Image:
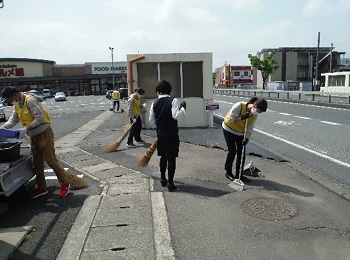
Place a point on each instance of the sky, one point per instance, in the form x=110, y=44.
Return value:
x=79, y=31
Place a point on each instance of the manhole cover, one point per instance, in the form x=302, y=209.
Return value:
x=268, y=208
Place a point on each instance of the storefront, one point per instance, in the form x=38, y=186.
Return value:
x=81, y=79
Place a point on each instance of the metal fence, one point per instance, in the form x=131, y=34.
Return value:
x=302, y=96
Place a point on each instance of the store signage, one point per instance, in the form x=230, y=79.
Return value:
x=106, y=67
x=9, y=70
x=209, y=107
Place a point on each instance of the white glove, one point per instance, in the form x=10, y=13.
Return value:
x=21, y=133
x=144, y=105
x=133, y=119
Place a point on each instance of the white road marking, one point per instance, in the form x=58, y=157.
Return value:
x=285, y=114
x=306, y=149
x=284, y=122
x=303, y=117
x=330, y=123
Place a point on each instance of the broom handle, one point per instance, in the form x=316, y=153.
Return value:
x=243, y=150
x=125, y=133
x=151, y=150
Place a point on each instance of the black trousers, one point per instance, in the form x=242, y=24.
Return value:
x=234, y=146
x=116, y=102
x=135, y=130
x=171, y=163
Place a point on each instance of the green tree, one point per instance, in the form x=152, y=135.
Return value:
x=267, y=66
x=214, y=76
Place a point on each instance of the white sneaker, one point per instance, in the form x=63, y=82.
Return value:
x=130, y=145
x=140, y=143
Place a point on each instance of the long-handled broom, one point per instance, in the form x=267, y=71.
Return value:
x=237, y=184
x=144, y=160
x=114, y=146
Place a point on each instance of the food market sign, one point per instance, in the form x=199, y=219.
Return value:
x=107, y=68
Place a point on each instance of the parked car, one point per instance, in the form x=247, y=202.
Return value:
x=109, y=94
x=2, y=113
x=60, y=96
x=37, y=94
x=47, y=93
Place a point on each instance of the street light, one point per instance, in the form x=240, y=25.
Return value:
x=112, y=64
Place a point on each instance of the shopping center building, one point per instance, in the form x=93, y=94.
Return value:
x=90, y=78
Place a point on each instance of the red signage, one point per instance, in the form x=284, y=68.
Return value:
x=11, y=70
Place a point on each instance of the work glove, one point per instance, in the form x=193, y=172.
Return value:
x=183, y=104
x=245, y=116
x=245, y=141
x=21, y=133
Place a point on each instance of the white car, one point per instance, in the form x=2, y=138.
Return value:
x=60, y=96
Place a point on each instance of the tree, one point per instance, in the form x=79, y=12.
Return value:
x=267, y=66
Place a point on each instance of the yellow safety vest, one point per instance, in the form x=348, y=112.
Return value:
x=25, y=116
x=116, y=95
x=240, y=125
x=136, y=108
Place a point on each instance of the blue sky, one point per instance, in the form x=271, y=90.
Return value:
x=75, y=32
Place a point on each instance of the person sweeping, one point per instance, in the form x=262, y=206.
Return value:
x=36, y=123
x=164, y=113
x=234, y=128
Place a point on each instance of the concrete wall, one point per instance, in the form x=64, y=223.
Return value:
x=190, y=75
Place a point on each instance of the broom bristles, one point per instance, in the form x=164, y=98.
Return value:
x=114, y=146
x=75, y=181
x=144, y=160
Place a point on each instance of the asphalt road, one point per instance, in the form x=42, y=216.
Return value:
x=315, y=137
x=296, y=126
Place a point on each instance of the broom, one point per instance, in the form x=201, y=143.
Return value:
x=114, y=146
x=144, y=160
x=74, y=181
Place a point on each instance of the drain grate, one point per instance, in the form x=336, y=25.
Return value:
x=269, y=208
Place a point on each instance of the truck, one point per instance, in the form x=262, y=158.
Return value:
x=16, y=167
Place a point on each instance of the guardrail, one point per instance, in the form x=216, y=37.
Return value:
x=304, y=96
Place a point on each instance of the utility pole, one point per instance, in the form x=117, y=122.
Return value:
x=330, y=59
x=112, y=65
x=316, y=68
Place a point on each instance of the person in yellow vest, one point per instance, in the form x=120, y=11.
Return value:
x=234, y=128
x=36, y=123
x=116, y=97
x=134, y=111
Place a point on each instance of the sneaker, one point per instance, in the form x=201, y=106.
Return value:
x=172, y=187
x=140, y=143
x=37, y=193
x=163, y=182
x=130, y=145
x=229, y=176
x=64, y=190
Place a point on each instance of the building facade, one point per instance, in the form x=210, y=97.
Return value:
x=233, y=76
x=91, y=78
x=298, y=65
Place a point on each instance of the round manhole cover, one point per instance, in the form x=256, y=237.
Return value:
x=269, y=208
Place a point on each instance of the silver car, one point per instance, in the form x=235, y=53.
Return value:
x=60, y=96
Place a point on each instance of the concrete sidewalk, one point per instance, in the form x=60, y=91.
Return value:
x=285, y=215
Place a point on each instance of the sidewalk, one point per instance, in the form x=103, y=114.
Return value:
x=282, y=216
